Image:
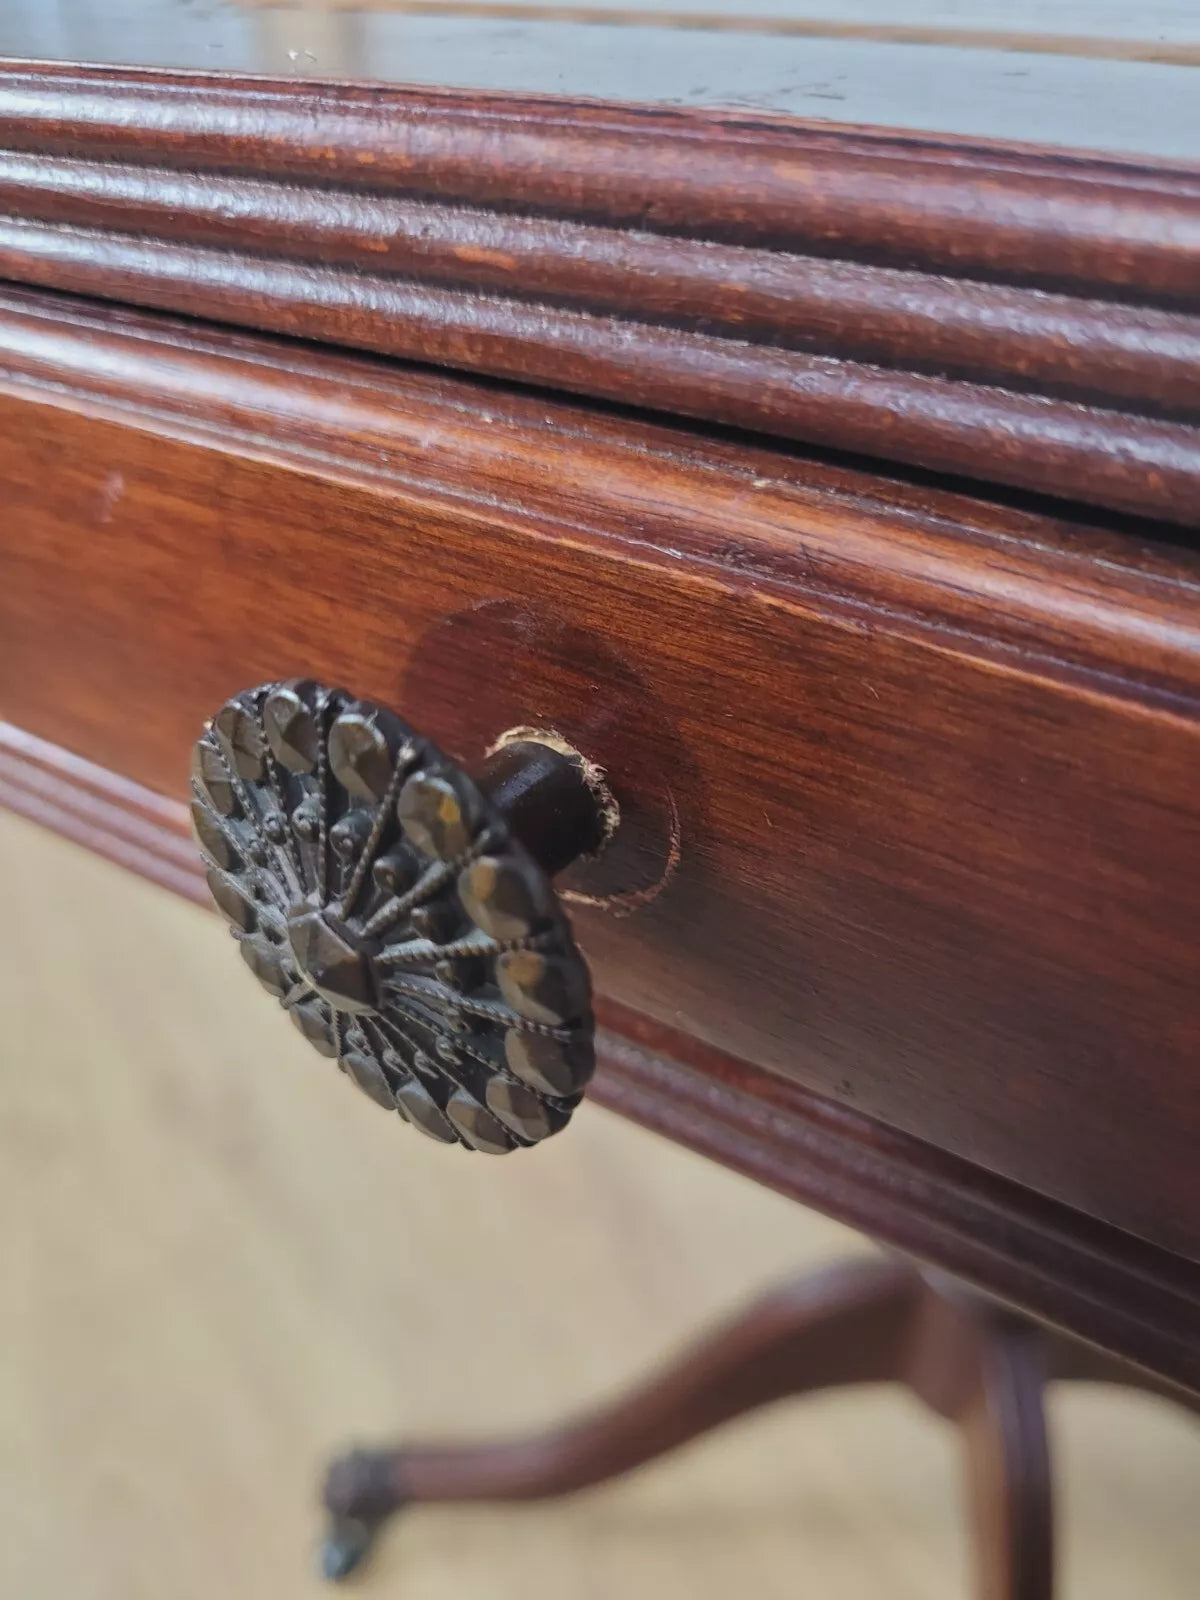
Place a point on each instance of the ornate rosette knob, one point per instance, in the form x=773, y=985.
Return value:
x=401, y=910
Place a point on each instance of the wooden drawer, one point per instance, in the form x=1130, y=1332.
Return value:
x=910, y=812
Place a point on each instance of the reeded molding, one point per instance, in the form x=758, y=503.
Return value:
x=1021, y=317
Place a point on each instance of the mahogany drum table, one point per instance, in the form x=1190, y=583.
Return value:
x=692, y=602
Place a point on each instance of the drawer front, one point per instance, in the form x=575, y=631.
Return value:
x=910, y=811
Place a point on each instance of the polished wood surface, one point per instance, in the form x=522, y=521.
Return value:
x=971, y=1361
x=1020, y=316
x=209, y=1284
x=900, y=915
x=1058, y=1264
x=907, y=780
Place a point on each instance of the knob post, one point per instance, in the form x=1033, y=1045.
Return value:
x=546, y=799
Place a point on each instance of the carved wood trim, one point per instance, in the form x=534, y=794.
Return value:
x=123, y=821
x=1062, y=599
x=1140, y=1302
x=1023, y=317
x=981, y=808
x=1051, y=1261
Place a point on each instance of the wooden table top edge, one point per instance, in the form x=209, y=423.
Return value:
x=1022, y=316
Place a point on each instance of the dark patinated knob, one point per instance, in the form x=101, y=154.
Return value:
x=401, y=910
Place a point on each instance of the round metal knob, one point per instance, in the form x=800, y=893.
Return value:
x=401, y=910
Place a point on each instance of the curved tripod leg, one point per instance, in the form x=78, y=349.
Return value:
x=1008, y=1470
x=984, y=1369
x=847, y=1325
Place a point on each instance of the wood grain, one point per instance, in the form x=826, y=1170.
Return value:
x=1053, y=1262
x=1024, y=317
x=1053, y=344
x=908, y=783
x=221, y=1266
